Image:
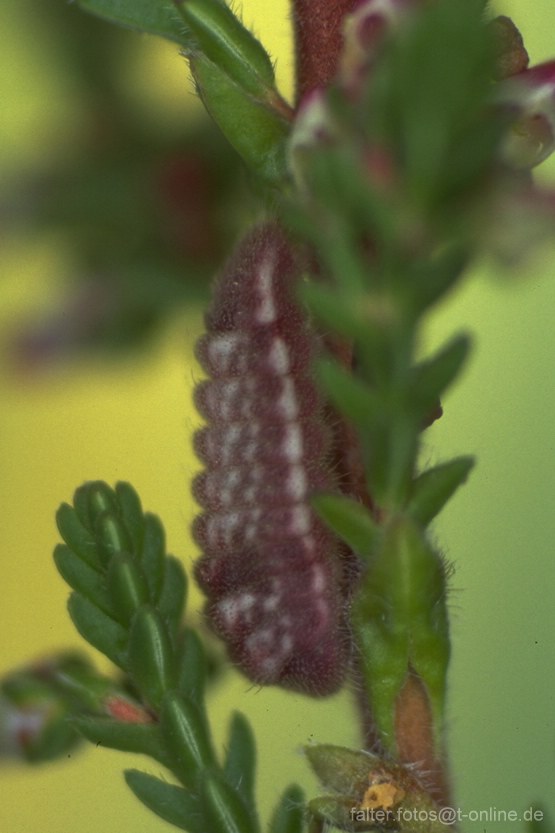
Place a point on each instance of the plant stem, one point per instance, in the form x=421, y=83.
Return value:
x=318, y=40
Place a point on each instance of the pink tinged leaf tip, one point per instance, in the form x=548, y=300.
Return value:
x=269, y=568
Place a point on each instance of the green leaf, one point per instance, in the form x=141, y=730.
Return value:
x=83, y=578
x=433, y=376
x=171, y=603
x=103, y=632
x=258, y=133
x=173, y=804
x=142, y=738
x=289, y=815
x=187, y=738
x=191, y=680
x=240, y=762
x=349, y=394
x=150, y=655
x=153, y=550
x=225, y=810
x=99, y=499
x=332, y=308
x=350, y=520
x=155, y=18
x=430, y=280
x=224, y=40
x=81, y=504
x=78, y=538
x=433, y=488
x=112, y=536
x=127, y=586
x=132, y=514
x=347, y=203
x=429, y=116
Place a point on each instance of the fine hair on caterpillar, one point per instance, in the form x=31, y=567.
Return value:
x=269, y=567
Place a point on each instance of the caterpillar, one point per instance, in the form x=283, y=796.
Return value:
x=269, y=566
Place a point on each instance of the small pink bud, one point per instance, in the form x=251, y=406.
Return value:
x=364, y=31
x=531, y=94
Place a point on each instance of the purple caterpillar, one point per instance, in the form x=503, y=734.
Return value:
x=269, y=567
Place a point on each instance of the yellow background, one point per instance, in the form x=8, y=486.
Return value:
x=134, y=421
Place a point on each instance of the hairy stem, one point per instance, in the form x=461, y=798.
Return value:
x=318, y=40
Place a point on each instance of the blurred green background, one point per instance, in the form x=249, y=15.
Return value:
x=126, y=413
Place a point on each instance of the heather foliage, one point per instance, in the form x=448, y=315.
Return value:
x=404, y=158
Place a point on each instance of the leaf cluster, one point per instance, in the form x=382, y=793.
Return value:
x=128, y=602
x=385, y=202
x=388, y=201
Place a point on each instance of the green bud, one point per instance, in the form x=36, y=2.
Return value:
x=127, y=586
x=150, y=655
x=373, y=793
x=187, y=737
x=340, y=769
